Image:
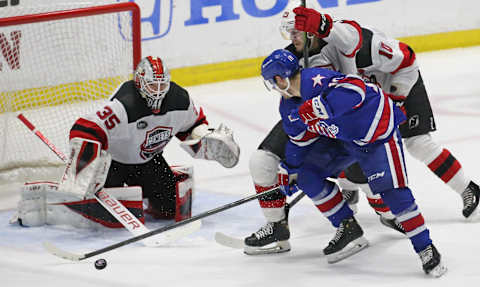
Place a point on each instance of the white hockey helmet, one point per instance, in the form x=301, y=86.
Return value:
x=287, y=23
x=152, y=80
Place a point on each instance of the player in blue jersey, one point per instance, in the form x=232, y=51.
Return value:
x=334, y=52
x=333, y=120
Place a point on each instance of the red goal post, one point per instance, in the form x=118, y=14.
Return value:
x=55, y=66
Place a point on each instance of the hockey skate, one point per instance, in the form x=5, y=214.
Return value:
x=351, y=197
x=470, y=198
x=392, y=223
x=431, y=261
x=347, y=241
x=270, y=238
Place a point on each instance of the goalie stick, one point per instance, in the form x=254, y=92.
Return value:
x=111, y=204
x=78, y=257
x=237, y=243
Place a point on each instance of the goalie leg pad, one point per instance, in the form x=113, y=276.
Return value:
x=86, y=169
x=42, y=203
x=179, y=189
x=184, y=192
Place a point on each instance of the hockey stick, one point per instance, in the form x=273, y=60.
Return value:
x=78, y=257
x=306, y=44
x=237, y=243
x=110, y=203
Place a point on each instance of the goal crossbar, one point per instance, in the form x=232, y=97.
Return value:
x=83, y=12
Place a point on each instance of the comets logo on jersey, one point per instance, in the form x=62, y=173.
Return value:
x=155, y=140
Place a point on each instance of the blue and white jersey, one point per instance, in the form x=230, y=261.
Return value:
x=351, y=110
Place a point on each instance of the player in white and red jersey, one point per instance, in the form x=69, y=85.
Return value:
x=133, y=128
x=392, y=65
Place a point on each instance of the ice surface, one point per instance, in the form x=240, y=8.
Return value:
x=452, y=80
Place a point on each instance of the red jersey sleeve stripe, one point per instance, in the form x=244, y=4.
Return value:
x=354, y=81
x=408, y=57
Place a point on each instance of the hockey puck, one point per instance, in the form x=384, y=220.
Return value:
x=100, y=264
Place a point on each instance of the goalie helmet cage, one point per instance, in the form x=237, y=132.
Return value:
x=54, y=67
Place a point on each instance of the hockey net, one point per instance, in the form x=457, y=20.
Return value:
x=54, y=67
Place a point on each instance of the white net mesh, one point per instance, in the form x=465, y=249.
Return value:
x=53, y=72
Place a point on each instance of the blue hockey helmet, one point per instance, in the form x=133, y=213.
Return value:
x=279, y=63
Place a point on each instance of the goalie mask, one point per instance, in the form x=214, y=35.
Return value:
x=152, y=80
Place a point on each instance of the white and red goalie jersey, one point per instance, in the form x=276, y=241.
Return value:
x=130, y=132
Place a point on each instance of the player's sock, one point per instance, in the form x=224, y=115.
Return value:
x=332, y=205
x=402, y=204
x=449, y=170
x=273, y=205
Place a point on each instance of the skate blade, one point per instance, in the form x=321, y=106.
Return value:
x=276, y=247
x=438, y=271
x=352, y=248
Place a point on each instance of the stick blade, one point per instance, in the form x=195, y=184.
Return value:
x=229, y=241
x=52, y=249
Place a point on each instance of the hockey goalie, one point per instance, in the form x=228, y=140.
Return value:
x=119, y=149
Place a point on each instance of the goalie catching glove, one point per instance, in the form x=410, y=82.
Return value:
x=213, y=144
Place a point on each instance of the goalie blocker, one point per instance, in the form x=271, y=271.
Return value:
x=43, y=203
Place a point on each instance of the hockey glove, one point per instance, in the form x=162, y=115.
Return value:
x=287, y=179
x=311, y=110
x=309, y=20
x=215, y=144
